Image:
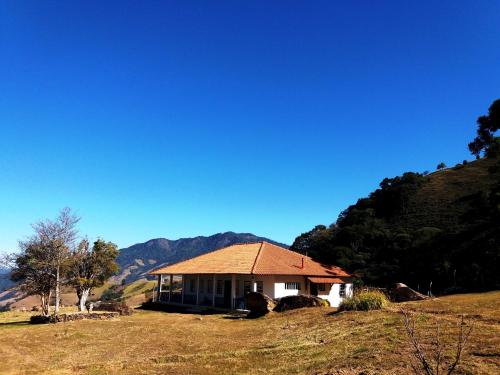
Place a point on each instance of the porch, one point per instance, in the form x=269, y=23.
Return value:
x=220, y=291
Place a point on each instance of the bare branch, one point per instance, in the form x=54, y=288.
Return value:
x=419, y=354
x=417, y=349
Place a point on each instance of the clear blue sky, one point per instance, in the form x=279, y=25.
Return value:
x=182, y=118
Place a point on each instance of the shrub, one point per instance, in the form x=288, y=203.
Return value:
x=39, y=319
x=120, y=307
x=364, y=301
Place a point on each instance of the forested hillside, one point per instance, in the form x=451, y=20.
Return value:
x=442, y=228
x=437, y=232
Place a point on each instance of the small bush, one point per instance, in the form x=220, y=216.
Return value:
x=39, y=319
x=364, y=301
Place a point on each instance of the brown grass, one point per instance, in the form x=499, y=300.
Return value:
x=313, y=341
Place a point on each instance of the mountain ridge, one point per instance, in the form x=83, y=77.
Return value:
x=137, y=260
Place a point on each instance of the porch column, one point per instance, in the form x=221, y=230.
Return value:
x=233, y=291
x=170, y=287
x=198, y=290
x=213, y=290
x=182, y=291
x=254, y=285
x=158, y=289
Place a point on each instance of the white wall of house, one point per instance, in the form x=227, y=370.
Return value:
x=281, y=282
x=332, y=294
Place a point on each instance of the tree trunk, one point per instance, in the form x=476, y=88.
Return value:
x=79, y=297
x=45, y=301
x=82, y=299
x=58, y=292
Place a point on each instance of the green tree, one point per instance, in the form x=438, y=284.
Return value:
x=33, y=270
x=441, y=166
x=90, y=267
x=488, y=125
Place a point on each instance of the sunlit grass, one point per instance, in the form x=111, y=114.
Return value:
x=314, y=340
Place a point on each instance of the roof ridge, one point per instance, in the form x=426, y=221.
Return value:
x=242, y=243
x=292, y=251
x=257, y=258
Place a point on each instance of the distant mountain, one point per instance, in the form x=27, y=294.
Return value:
x=135, y=261
x=5, y=282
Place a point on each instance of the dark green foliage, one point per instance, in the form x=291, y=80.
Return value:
x=441, y=166
x=415, y=229
x=488, y=125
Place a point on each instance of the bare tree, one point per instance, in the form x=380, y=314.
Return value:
x=56, y=238
x=434, y=364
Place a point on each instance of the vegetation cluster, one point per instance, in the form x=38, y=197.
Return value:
x=365, y=301
x=436, y=232
x=52, y=258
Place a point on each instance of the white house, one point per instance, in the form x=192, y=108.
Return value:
x=221, y=278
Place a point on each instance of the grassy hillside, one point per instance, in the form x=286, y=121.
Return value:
x=447, y=196
x=306, y=341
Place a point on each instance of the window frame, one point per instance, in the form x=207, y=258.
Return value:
x=342, y=290
x=292, y=285
x=219, y=287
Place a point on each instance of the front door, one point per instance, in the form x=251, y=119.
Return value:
x=227, y=294
x=314, y=289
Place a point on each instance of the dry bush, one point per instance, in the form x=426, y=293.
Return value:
x=431, y=360
x=365, y=301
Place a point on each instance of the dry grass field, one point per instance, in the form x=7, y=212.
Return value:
x=311, y=341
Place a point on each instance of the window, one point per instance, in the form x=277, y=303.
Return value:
x=202, y=285
x=260, y=287
x=210, y=285
x=237, y=288
x=292, y=285
x=342, y=290
x=321, y=287
x=220, y=286
x=191, y=285
x=247, y=287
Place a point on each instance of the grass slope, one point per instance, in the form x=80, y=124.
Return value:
x=296, y=342
x=447, y=196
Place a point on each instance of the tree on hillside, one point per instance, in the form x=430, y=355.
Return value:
x=488, y=125
x=302, y=243
x=33, y=269
x=90, y=267
x=56, y=240
x=441, y=166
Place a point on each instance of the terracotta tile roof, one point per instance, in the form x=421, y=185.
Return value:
x=275, y=260
x=327, y=280
x=259, y=258
x=238, y=258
